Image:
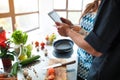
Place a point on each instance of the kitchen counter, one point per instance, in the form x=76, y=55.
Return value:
x=35, y=70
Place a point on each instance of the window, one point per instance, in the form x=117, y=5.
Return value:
x=70, y=9
x=17, y=14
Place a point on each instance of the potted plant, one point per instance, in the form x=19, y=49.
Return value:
x=5, y=53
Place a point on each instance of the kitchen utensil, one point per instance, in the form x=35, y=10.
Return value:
x=59, y=64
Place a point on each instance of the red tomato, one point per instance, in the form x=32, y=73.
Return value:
x=51, y=71
x=36, y=44
x=51, y=77
x=42, y=44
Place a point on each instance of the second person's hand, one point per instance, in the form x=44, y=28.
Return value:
x=62, y=28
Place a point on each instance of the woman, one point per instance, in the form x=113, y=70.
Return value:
x=86, y=23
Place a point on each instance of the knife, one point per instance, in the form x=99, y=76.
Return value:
x=59, y=64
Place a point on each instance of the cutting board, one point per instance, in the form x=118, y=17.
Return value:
x=60, y=72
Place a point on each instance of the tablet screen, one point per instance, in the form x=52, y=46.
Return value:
x=54, y=16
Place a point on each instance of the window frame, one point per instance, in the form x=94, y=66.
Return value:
x=12, y=14
x=67, y=10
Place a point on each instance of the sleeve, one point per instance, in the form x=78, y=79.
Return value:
x=106, y=27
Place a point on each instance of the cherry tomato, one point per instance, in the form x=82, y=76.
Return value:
x=36, y=44
x=42, y=44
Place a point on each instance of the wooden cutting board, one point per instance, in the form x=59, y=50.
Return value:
x=60, y=72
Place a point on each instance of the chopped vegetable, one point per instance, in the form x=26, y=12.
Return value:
x=51, y=71
x=51, y=77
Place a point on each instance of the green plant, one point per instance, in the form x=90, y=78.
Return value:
x=5, y=51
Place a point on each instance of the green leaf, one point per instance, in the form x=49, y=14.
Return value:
x=11, y=57
x=13, y=53
x=14, y=69
x=1, y=55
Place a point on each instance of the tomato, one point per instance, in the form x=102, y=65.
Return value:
x=51, y=71
x=42, y=44
x=51, y=77
x=36, y=44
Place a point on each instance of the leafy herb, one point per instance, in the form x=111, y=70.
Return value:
x=19, y=37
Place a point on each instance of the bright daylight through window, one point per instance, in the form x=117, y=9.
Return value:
x=14, y=14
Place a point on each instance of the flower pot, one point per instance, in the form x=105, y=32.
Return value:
x=7, y=64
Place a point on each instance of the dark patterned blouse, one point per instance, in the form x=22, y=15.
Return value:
x=85, y=59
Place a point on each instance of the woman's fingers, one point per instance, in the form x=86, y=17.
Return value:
x=64, y=20
x=57, y=23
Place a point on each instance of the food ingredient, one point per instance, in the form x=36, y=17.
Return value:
x=25, y=73
x=22, y=57
x=36, y=44
x=42, y=44
x=23, y=53
x=51, y=71
x=51, y=74
x=19, y=37
x=50, y=38
x=14, y=69
x=29, y=48
x=51, y=77
x=29, y=60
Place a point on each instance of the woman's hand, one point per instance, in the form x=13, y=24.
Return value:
x=76, y=28
x=73, y=27
x=66, y=21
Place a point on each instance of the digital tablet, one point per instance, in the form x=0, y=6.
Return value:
x=55, y=17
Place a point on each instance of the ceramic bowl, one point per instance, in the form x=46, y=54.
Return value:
x=63, y=46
